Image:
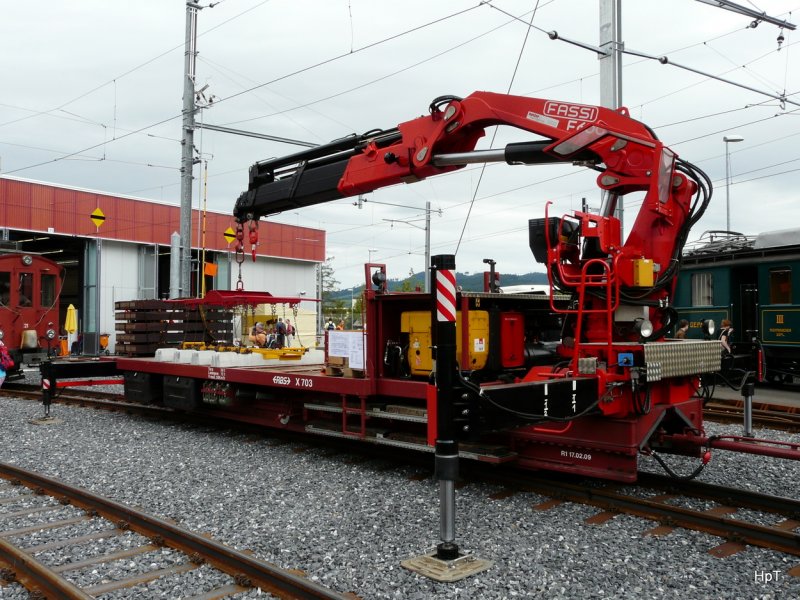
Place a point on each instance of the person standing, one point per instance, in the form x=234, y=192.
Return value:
x=290, y=333
x=6, y=363
x=280, y=332
x=725, y=335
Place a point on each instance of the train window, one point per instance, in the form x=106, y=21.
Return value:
x=48, y=290
x=780, y=285
x=5, y=287
x=702, y=289
x=25, y=289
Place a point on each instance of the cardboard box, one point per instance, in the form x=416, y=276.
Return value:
x=353, y=373
x=337, y=361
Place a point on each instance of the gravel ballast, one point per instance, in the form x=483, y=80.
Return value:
x=348, y=526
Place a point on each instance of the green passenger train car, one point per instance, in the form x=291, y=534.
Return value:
x=750, y=281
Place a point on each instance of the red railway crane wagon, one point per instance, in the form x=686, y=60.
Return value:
x=470, y=375
x=582, y=380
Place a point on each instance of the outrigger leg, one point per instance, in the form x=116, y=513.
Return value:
x=446, y=563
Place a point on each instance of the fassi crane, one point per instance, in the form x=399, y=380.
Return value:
x=617, y=397
x=626, y=388
x=622, y=388
x=622, y=289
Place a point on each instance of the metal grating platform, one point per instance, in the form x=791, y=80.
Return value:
x=682, y=358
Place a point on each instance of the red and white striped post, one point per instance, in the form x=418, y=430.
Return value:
x=443, y=320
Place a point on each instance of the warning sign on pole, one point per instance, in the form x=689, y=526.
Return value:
x=97, y=217
x=229, y=234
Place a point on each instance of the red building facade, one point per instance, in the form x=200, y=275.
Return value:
x=49, y=209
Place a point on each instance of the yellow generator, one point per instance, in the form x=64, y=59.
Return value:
x=417, y=324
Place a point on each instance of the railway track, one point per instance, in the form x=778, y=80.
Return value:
x=93, y=399
x=768, y=415
x=723, y=511
x=33, y=506
x=739, y=517
x=34, y=390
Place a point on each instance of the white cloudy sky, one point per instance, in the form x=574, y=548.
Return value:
x=91, y=97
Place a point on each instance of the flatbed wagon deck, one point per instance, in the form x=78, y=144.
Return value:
x=301, y=397
x=283, y=374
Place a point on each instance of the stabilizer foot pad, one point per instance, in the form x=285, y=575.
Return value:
x=446, y=571
x=46, y=421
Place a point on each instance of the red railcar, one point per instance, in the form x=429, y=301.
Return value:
x=30, y=286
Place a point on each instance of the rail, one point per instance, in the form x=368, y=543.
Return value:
x=248, y=572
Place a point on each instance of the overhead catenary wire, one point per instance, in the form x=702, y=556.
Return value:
x=92, y=147
x=218, y=101
x=704, y=136
x=365, y=84
x=494, y=134
x=226, y=72
x=663, y=59
x=346, y=54
x=134, y=69
x=261, y=85
x=696, y=83
x=506, y=192
x=729, y=127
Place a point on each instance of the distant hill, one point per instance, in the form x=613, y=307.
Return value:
x=469, y=282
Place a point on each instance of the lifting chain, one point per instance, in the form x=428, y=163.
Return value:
x=252, y=237
x=239, y=243
x=239, y=255
x=253, y=224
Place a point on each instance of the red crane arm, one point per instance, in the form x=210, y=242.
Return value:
x=420, y=148
x=628, y=155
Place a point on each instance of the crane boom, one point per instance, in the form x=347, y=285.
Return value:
x=412, y=151
x=629, y=157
